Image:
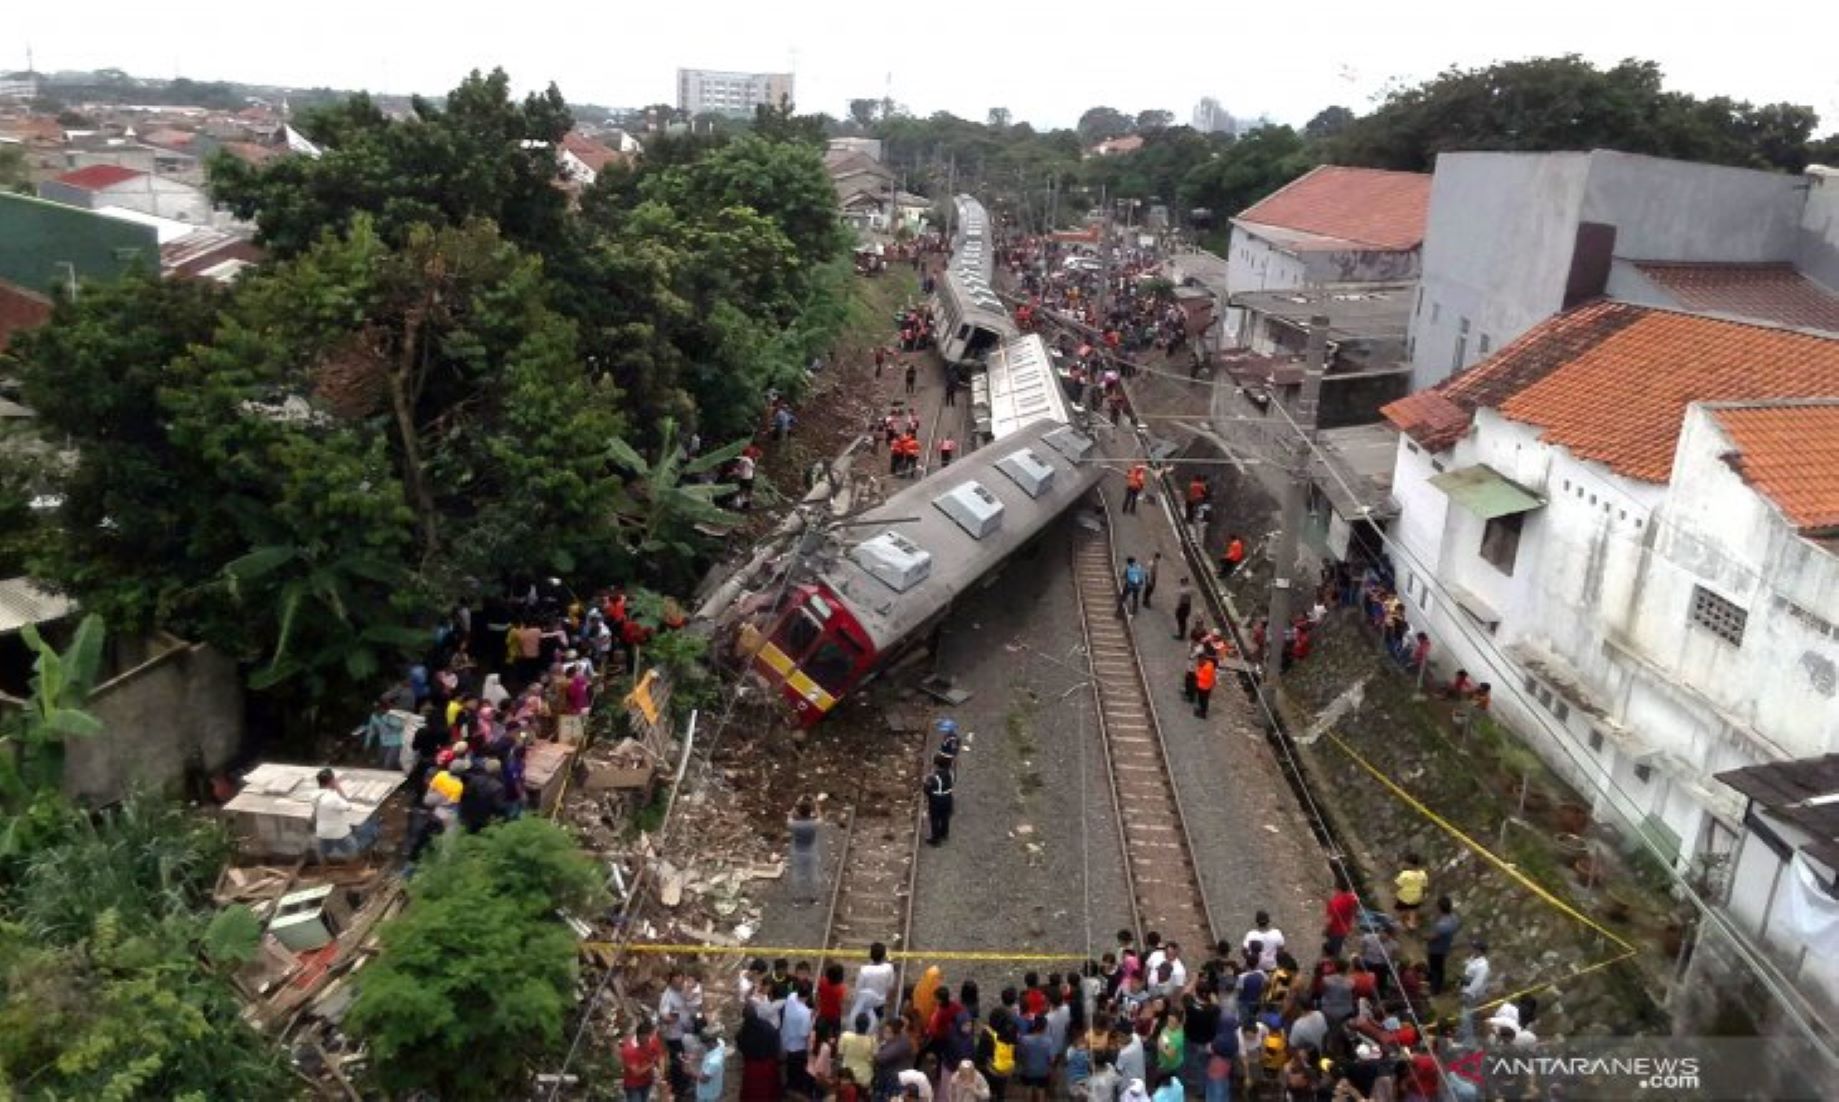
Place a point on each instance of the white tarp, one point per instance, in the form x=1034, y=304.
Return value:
x=1808, y=914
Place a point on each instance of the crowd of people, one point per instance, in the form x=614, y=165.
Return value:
x=1137, y=314
x=1140, y=1024
x=496, y=680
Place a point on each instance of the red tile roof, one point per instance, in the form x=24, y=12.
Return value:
x=1365, y=206
x=20, y=309
x=252, y=154
x=590, y=152
x=97, y=177
x=1611, y=381
x=1430, y=418
x=1789, y=451
x=1766, y=292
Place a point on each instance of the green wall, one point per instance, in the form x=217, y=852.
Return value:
x=38, y=237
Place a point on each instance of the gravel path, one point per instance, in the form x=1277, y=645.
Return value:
x=1255, y=848
x=1033, y=864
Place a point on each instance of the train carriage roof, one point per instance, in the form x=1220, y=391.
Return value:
x=915, y=553
x=1023, y=387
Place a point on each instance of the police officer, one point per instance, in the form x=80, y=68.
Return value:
x=948, y=742
x=938, y=799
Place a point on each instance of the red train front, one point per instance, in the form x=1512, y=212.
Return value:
x=815, y=652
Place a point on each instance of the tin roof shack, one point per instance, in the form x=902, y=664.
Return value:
x=273, y=814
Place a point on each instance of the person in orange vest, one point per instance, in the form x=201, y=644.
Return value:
x=1197, y=493
x=1133, y=486
x=1206, y=672
x=1231, y=557
x=910, y=455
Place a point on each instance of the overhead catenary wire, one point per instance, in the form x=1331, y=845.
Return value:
x=663, y=837
x=1779, y=987
x=1336, y=859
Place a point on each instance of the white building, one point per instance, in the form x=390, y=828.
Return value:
x=1628, y=522
x=1331, y=225
x=113, y=186
x=1514, y=238
x=583, y=159
x=713, y=91
x=20, y=85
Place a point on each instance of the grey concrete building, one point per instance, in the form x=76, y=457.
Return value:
x=1514, y=238
x=715, y=91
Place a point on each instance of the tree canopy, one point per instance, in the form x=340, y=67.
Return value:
x=1567, y=103
x=437, y=381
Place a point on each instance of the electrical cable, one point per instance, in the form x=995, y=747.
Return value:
x=705, y=760
x=1627, y=806
x=1335, y=858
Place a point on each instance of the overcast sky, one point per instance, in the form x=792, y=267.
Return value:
x=1045, y=62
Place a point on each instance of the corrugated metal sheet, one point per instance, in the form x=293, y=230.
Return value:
x=1486, y=493
x=22, y=603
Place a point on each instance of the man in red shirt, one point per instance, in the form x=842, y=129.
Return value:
x=639, y=1057
x=1343, y=907
x=830, y=991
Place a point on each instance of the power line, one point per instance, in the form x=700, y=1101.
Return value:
x=1627, y=806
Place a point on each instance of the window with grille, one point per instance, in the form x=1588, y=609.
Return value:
x=1723, y=618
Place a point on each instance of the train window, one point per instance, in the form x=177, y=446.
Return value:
x=799, y=633
x=832, y=664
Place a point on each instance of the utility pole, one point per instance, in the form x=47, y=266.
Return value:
x=951, y=198
x=1295, y=491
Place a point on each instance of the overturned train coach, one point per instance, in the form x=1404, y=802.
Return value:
x=918, y=552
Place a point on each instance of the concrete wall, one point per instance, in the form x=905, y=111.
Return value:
x=1603, y=585
x=1497, y=250
x=1254, y=264
x=158, y=196
x=1722, y=535
x=1360, y=265
x=40, y=236
x=171, y=704
x=1679, y=210
x=1817, y=252
x=1502, y=230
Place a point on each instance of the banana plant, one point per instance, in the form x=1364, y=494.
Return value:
x=33, y=736
x=343, y=592
x=661, y=511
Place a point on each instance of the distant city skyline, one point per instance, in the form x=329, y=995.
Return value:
x=1043, y=72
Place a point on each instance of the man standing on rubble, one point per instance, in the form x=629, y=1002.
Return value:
x=674, y=1019
x=939, y=788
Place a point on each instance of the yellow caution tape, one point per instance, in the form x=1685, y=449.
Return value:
x=837, y=954
x=1456, y=832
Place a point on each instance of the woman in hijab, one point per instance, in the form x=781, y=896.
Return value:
x=759, y=1045
x=966, y=1084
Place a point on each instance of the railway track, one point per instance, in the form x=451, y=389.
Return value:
x=1163, y=880
x=872, y=899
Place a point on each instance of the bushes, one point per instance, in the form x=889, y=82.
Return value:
x=476, y=977
x=112, y=966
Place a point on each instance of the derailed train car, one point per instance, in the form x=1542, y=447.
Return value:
x=907, y=561
x=970, y=320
